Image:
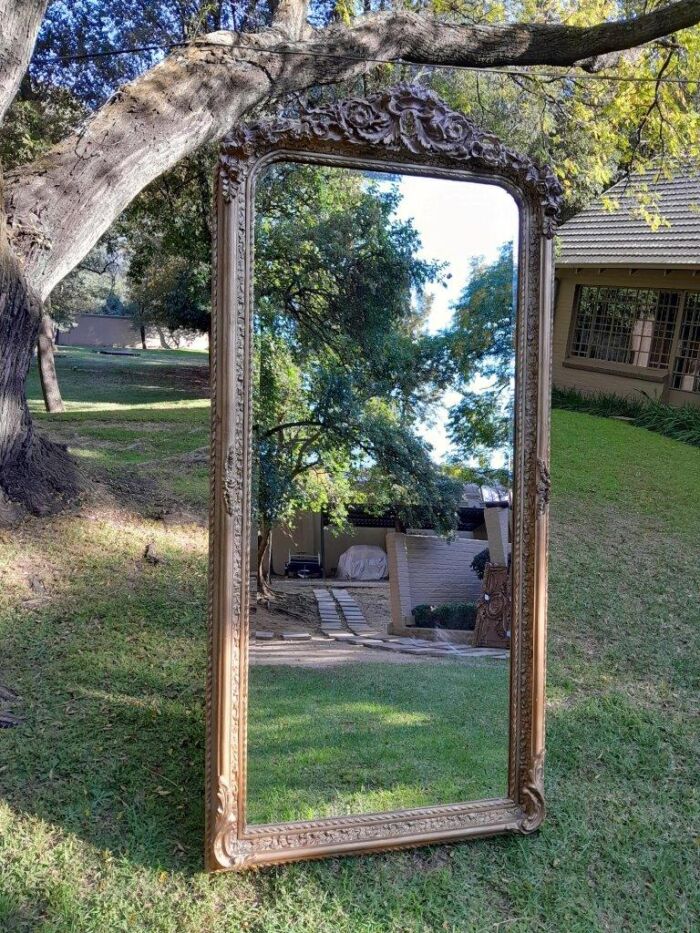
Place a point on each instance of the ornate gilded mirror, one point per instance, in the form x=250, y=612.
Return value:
x=378, y=563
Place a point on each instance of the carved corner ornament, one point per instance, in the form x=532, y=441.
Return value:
x=532, y=796
x=229, y=850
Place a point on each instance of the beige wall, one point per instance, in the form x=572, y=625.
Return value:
x=102, y=330
x=583, y=375
x=305, y=537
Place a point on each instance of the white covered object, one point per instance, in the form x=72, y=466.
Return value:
x=363, y=562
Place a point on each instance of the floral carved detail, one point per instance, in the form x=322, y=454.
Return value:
x=493, y=615
x=371, y=827
x=404, y=120
x=544, y=486
x=532, y=796
x=229, y=850
x=230, y=485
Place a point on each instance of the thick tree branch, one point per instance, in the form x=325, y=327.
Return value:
x=289, y=16
x=60, y=205
x=19, y=24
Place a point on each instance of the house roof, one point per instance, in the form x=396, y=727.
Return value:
x=598, y=237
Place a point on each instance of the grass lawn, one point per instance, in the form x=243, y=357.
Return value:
x=367, y=737
x=101, y=787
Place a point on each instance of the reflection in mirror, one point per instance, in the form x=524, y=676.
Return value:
x=383, y=374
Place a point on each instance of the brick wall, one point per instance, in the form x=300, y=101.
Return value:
x=428, y=569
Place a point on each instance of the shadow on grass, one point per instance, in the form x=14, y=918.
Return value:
x=111, y=675
x=111, y=687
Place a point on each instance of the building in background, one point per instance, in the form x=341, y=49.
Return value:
x=111, y=330
x=627, y=310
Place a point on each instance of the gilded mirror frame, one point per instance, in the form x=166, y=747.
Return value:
x=405, y=129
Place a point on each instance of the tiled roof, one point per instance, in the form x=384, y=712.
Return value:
x=599, y=237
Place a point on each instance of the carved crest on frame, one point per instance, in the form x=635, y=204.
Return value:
x=404, y=118
x=405, y=128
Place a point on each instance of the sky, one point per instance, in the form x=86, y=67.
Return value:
x=457, y=221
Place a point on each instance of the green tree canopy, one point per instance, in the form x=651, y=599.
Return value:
x=482, y=351
x=344, y=370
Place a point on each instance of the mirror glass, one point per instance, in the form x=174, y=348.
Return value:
x=383, y=380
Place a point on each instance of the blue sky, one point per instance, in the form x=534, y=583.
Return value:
x=457, y=221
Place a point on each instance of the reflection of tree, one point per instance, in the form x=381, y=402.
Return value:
x=343, y=373
x=481, y=343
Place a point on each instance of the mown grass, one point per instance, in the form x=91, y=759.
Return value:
x=362, y=738
x=680, y=422
x=101, y=812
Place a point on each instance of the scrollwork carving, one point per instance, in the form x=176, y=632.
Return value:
x=544, y=486
x=532, y=796
x=403, y=119
x=231, y=486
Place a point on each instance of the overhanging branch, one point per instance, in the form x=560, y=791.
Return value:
x=60, y=205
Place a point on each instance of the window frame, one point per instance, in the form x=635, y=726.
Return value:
x=612, y=368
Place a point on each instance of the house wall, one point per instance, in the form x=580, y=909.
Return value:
x=589, y=376
x=102, y=330
x=426, y=569
x=305, y=537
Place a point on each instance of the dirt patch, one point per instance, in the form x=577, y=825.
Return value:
x=293, y=608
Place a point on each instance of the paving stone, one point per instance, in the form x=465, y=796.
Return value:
x=296, y=636
x=264, y=636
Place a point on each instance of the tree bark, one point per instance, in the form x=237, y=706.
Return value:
x=19, y=24
x=263, y=577
x=47, y=366
x=36, y=475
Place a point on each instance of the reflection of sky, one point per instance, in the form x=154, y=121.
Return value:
x=456, y=221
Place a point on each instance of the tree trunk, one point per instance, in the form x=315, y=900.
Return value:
x=142, y=331
x=36, y=475
x=47, y=366
x=264, y=588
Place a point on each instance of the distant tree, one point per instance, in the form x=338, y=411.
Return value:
x=167, y=232
x=481, y=338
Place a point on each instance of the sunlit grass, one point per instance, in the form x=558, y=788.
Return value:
x=101, y=787
x=367, y=737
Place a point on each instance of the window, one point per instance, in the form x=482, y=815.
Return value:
x=686, y=367
x=633, y=326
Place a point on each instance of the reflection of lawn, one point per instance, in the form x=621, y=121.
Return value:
x=365, y=737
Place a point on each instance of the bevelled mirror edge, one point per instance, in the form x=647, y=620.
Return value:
x=433, y=141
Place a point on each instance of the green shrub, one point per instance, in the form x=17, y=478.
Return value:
x=681, y=424
x=448, y=615
x=479, y=563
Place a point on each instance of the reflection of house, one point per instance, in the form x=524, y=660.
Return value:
x=311, y=534
x=627, y=317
